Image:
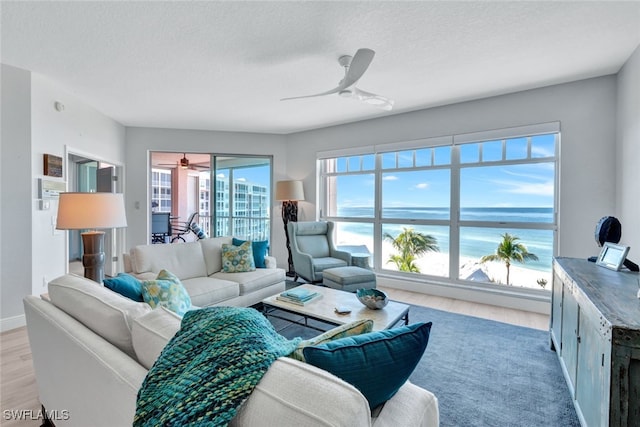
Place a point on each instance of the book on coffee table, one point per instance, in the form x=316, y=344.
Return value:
x=298, y=293
x=298, y=301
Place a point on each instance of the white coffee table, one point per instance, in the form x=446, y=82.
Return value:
x=323, y=309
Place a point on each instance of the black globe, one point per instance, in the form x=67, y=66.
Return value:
x=608, y=229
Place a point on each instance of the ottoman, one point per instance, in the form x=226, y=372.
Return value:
x=349, y=278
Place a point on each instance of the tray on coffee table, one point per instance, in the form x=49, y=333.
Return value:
x=323, y=309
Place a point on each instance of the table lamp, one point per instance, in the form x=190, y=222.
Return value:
x=91, y=211
x=289, y=192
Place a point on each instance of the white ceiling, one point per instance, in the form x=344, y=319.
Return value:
x=225, y=65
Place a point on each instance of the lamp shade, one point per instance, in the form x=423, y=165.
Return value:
x=289, y=190
x=79, y=211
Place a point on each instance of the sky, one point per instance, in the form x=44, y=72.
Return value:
x=520, y=185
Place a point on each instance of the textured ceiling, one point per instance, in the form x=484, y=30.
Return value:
x=225, y=65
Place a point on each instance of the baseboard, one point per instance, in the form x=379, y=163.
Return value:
x=14, y=322
x=499, y=297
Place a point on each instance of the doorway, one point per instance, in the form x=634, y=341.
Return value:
x=88, y=175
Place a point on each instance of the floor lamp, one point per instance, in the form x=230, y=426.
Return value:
x=91, y=211
x=289, y=192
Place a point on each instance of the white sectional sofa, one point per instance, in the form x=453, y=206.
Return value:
x=90, y=347
x=198, y=265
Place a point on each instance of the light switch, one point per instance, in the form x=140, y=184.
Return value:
x=44, y=205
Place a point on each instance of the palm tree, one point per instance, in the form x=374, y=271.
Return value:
x=510, y=250
x=410, y=244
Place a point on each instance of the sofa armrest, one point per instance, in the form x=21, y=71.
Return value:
x=293, y=394
x=78, y=371
x=127, y=263
x=410, y=406
x=270, y=262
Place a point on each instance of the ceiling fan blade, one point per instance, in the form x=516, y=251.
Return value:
x=358, y=66
x=329, y=92
x=373, y=99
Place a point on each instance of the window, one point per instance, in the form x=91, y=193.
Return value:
x=160, y=190
x=441, y=209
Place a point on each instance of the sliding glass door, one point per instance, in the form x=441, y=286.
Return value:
x=230, y=194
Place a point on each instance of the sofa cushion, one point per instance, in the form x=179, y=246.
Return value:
x=126, y=285
x=166, y=291
x=105, y=312
x=260, y=250
x=151, y=332
x=356, y=327
x=253, y=280
x=185, y=260
x=377, y=363
x=206, y=291
x=212, y=251
x=237, y=259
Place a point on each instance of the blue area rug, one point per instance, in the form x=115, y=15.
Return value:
x=484, y=373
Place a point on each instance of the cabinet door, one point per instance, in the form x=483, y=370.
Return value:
x=570, y=313
x=592, y=394
x=556, y=313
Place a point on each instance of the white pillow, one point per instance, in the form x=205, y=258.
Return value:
x=152, y=332
x=105, y=312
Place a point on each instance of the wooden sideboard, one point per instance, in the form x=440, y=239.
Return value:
x=595, y=330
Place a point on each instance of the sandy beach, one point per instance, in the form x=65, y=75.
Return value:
x=437, y=264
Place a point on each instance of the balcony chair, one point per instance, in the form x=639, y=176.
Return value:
x=313, y=250
x=160, y=227
x=180, y=229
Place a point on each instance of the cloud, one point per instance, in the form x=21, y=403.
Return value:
x=422, y=186
x=529, y=188
x=390, y=178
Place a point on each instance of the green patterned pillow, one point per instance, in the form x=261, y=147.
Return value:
x=356, y=327
x=166, y=291
x=237, y=259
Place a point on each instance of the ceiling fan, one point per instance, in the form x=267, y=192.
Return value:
x=184, y=164
x=354, y=68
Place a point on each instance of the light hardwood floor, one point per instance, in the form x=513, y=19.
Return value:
x=18, y=388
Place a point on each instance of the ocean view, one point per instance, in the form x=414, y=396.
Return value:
x=475, y=242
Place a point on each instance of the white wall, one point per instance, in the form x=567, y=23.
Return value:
x=586, y=111
x=15, y=194
x=33, y=252
x=140, y=141
x=79, y=128
x=628, y=154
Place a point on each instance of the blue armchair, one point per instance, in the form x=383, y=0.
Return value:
x=313, y=250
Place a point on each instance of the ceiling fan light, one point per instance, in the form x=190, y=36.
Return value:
x=385, y=104
x=184, y=162
x=345, y=93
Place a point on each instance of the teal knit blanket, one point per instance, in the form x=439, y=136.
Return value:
x=209, y=368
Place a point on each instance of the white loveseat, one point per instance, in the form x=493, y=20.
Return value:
x=90, y=345
x=198, y=265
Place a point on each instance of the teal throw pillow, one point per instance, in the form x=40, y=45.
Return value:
x=377, y=363
x=260, y=250
x=237, y=259
x=126, y=285
x=166, y=291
